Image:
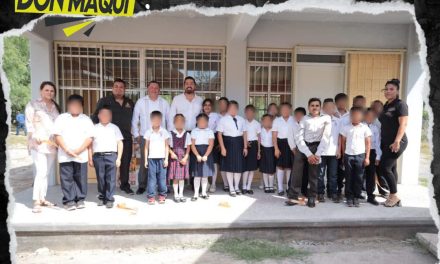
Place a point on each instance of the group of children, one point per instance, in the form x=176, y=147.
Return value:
x=311, y=144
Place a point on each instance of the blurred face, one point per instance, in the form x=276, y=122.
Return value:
x=314, y=108
x=48, y=92
x=75, y=108
x=370, y=117
x=377, y=107
x=329, y=108
x=222, y=106
x=207, y=107
x=285, y=111
x=190, y=86
x=250, y=114
x=202, y=123
x=356, y=117
x=359, y=102
x=298, y=116
x=179, y=123
x=153, y=91
x=273, y=110
x=105, y=116
x=233, y=109
x=156, y=121
x=118, y=89
x=267, y=122
x=391, y=92
x=341, y=104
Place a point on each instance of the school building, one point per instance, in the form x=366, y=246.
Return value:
x=273, y=57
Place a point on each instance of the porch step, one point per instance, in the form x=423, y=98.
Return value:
x=428, y=241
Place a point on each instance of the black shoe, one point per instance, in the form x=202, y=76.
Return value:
x=233, y=194
x=127, y=190
x=177, y=200
x=266, y=190
x=100, y=203
x=193, y=199
x=244, y=191
x=183, y=199
x=372, y=200
x=356, y=202
x=250, y=192
x=321, y=198
x=238, y=192
x=335, y=198
x=361, y=197
x=226, y=188
x=311, y=202
x=349, y=202
x=281, y=193
x=140, y=191
x=272, y=190
x=290, y=203
x=109, y=205
x=206, y=197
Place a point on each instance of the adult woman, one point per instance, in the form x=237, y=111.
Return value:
x=393, y=119
x=40, y=117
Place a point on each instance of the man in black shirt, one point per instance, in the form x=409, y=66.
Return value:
x=122, y=112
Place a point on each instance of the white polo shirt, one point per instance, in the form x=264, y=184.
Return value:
x=227, y=126
x=253, y=129
x=106, y=138
x=157, y=139
x=332, y=147
x=202, y=136
x=180, y=135
x=375, y=139
x=266, y=138
x=74, y=131
x=355, y=138
x=283, y=126
x=213, y=120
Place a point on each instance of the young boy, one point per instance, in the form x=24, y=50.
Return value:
x=341, y=101
x=105, y=155
x=330, y=156
x=253, y=131
x=73, y=133
x=355, y=144
x=299, y=114
x=232, y=140
x=375, y=154
x=156, y=153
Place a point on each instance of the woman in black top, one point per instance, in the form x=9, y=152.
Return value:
x=393, y=120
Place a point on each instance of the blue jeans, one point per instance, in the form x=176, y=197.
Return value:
x=157, y=175
x=21, y=126
x=329, y=166
x=354, y=173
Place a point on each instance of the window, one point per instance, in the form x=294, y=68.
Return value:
x=270, y=78
x=79, y=70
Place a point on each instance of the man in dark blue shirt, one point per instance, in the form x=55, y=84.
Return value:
x=21, y=120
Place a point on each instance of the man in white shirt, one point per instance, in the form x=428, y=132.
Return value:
x=189, y=104
x=73, y=133
x=141, y=123
x=313, y=138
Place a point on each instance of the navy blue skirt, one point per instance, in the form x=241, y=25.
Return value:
x=204, y=168
x=267, y=161
x=234, y=160
x=285, y=159
x=251, y=161
x=216, y=152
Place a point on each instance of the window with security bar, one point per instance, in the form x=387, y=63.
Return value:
x=270, y=78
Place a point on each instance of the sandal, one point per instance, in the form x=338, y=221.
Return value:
x=47, y=203
x=37, y=208
x=393, y=201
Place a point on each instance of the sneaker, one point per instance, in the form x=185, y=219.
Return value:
x=70, y=207
x=140, y=191
x=321, y=198
x=349, y=202
x=311, y=202
x=80, y=205
x=212, y=189
x=101, y=202
x=109, y=205
x=183, y=199
x=177, y=199
x=151, y=201
x=373, y=201
x=127, y=190
x=356, y=202
x=162, y=199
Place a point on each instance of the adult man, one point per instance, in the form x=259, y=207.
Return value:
x=141, y=123
x=189, y=104
x=122, y=112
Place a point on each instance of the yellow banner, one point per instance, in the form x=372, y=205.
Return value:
x=81, y=7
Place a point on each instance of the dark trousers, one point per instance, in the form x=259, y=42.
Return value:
x=329, y=167
x=105, y=167
x=143, y=172
x=370, y=174
x=354, y=173
x=305, y=179
x=157, y=176
x=124, y=169
x=300, y=160
x=341, y=175
x=388, y=164
x=382, y=184
x=73, y=176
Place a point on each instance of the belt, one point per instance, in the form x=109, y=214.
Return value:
x=313, y=143
x=104, y=153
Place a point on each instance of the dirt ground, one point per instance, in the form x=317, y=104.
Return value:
x=372, y=250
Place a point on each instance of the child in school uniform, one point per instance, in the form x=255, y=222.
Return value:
x=178, y=169
x=73, y=134
x=202, y=160
x=222, y=106
x=207, y=108
x=298, y=115
x=232, y=139
x=267, y=161
x=156, y=158
x=283, y=128
x=105, y=155
x=375, y=155
x=355, y=144
x=253, y=130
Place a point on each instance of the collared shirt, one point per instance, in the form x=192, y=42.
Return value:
x=340, y=115
x=106, y=138
x=355, y=138
x=213, y=120
x=282, y=126
x=40, y=122
x=189, y=109
x=345, y=119
x=266, y=138
x=227, y=126
x=375, y=139
x=332, y=147
x=390, y=120
x=121, y=113
x=157, y=139
x=74, y=130
x=142, y=110
x=314, y=129
x=253, y=129
x=180, y=135
x=202, y=135
x=20, y=118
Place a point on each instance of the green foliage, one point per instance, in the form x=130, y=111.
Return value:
x=16, y=67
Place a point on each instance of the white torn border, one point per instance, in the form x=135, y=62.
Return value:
x=341, y=6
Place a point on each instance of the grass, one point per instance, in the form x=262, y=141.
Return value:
x=255, y=250
x=423, y=182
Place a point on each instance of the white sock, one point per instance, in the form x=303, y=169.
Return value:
x=204, y=185
x=266, y=180
x=245, y=179
x=196, y=186
x=225, y=179
x=230, y=180
x=249, y=180
x=181, y=186
x=237, y=177
x=280, y=176
x=176, y=189
x=287, y=173
x=271, y=179
x=214, y=177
